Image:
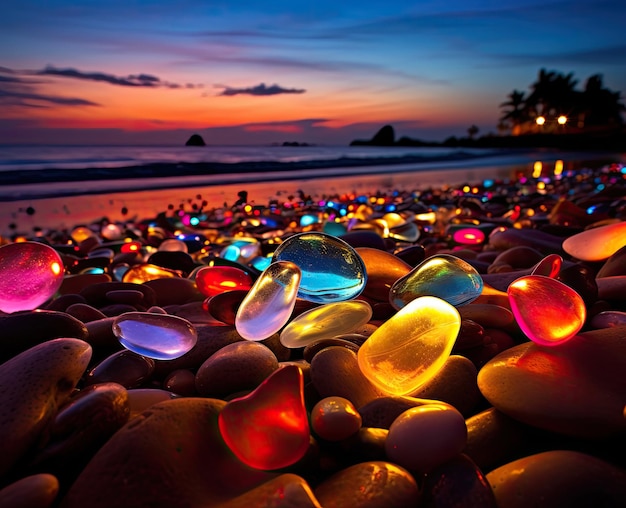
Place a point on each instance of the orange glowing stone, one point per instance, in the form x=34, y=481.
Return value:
x=596, y=244
x=138, y=274
x=550, y=266
x=269, y=428
x=411, y=347
x=548, y=311
x=213, y=280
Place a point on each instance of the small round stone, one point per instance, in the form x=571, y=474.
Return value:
x=335, y=419
x=426, y=436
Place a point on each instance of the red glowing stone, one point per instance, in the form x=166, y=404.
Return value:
x=550, y=266
x=269, y=428
x=214, y=280
x=469, y=236
x=130, y=247
x=547, y=311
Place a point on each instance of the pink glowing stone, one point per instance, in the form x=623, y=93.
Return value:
x=30, y=274
x=468, y=236
x=269, y=428
x=548, y=311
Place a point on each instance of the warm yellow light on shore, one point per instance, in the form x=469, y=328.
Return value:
x=562, y=120
x=537, y=167
x=540, y=120
x=558, y=167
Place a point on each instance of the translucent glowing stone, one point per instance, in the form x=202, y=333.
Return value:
x=332, y=271
x=158, y=336
x=411, y=347
x=269, y=428
x=268, y=305
x=596, y=244
x=468, y=236
x=213, y=280
x=138, y=274
x=30, y=274
x=325, y=321
x=173, y=245
x=547, y=311
x=444, y=276
x=550, y=266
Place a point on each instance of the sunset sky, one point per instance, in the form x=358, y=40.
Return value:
x=254, y=72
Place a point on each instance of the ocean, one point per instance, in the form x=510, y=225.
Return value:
x=61, y=186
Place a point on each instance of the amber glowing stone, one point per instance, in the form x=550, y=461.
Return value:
x=213, y=280
x=269, y=428
x=596, y=244
x=411, y=347
x=138, y=274
x=548, y=311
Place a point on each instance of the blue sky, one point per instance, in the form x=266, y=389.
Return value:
x=260, y=72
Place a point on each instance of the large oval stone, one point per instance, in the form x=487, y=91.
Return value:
x=332, y=271
x=383, y=270
x=558, y=479
x=596, y=244
x=578, y=388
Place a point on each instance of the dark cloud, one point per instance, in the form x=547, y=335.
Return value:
x=261, y=89
x=29, y=99
x=134, y=80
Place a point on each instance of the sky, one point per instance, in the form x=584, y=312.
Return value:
x=251, y=72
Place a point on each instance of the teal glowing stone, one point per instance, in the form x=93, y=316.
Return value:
x=332, y=271
x=444, y=276
x=158, y=336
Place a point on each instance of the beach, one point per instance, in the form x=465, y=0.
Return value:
x=443, y=332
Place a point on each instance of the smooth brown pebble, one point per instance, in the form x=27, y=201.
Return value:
x=35, y=491
x=486, y=315
x=425, y=437
x=382, y=411
x=234, y=368
x=74, y=284
x=128, y=296
x=558, y=479
x=315, y=347
x=181, y=382
x=376, y=484
x=224, y=306
x=33, y=385
x=140, y=399
x=335, y=419
x=123, y=367
x=458, y=483
x=174, y=290
x=85, y=312
x=286, y=491
x=383, y=269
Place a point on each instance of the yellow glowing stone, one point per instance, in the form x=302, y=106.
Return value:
x=411, y=347
x=138, y=274
x=596, y=244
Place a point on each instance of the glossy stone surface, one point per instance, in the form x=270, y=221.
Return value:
x=598, y=243
x=468, y=236
x=158, y=336
x=550, y=266
x=325, y=321
x=548, y=311
x=332, y=271
x=269, y=428
x=576, y=389
x=335, y=419
x=213, y=280
x=444, y=276
x=426, y=436
x=383, y=270
x=138, y=274
x=270, y=302
x=30, y=274
x=409, y=349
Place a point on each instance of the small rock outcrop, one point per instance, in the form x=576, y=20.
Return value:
x=195, y=140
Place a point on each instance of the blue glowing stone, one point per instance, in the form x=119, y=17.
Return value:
x=158, y=336
x=332, y=271
x=444, y=276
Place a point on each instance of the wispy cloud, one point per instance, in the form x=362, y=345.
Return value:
x=144, y=80
x=260, y=90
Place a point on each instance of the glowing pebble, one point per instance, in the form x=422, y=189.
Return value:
x=468, y=236
x=30, y=274
x=268, y=305
x=269, y=428
x=213, y=280
x=335, y=418
x=173, y=245
x=411, y=347
x=548, y=311
x=444, y=276
x=144, y=272
x=325, y=321
x=332, y=271
x=158, y=336
x=596, y=244
x=550, y=266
